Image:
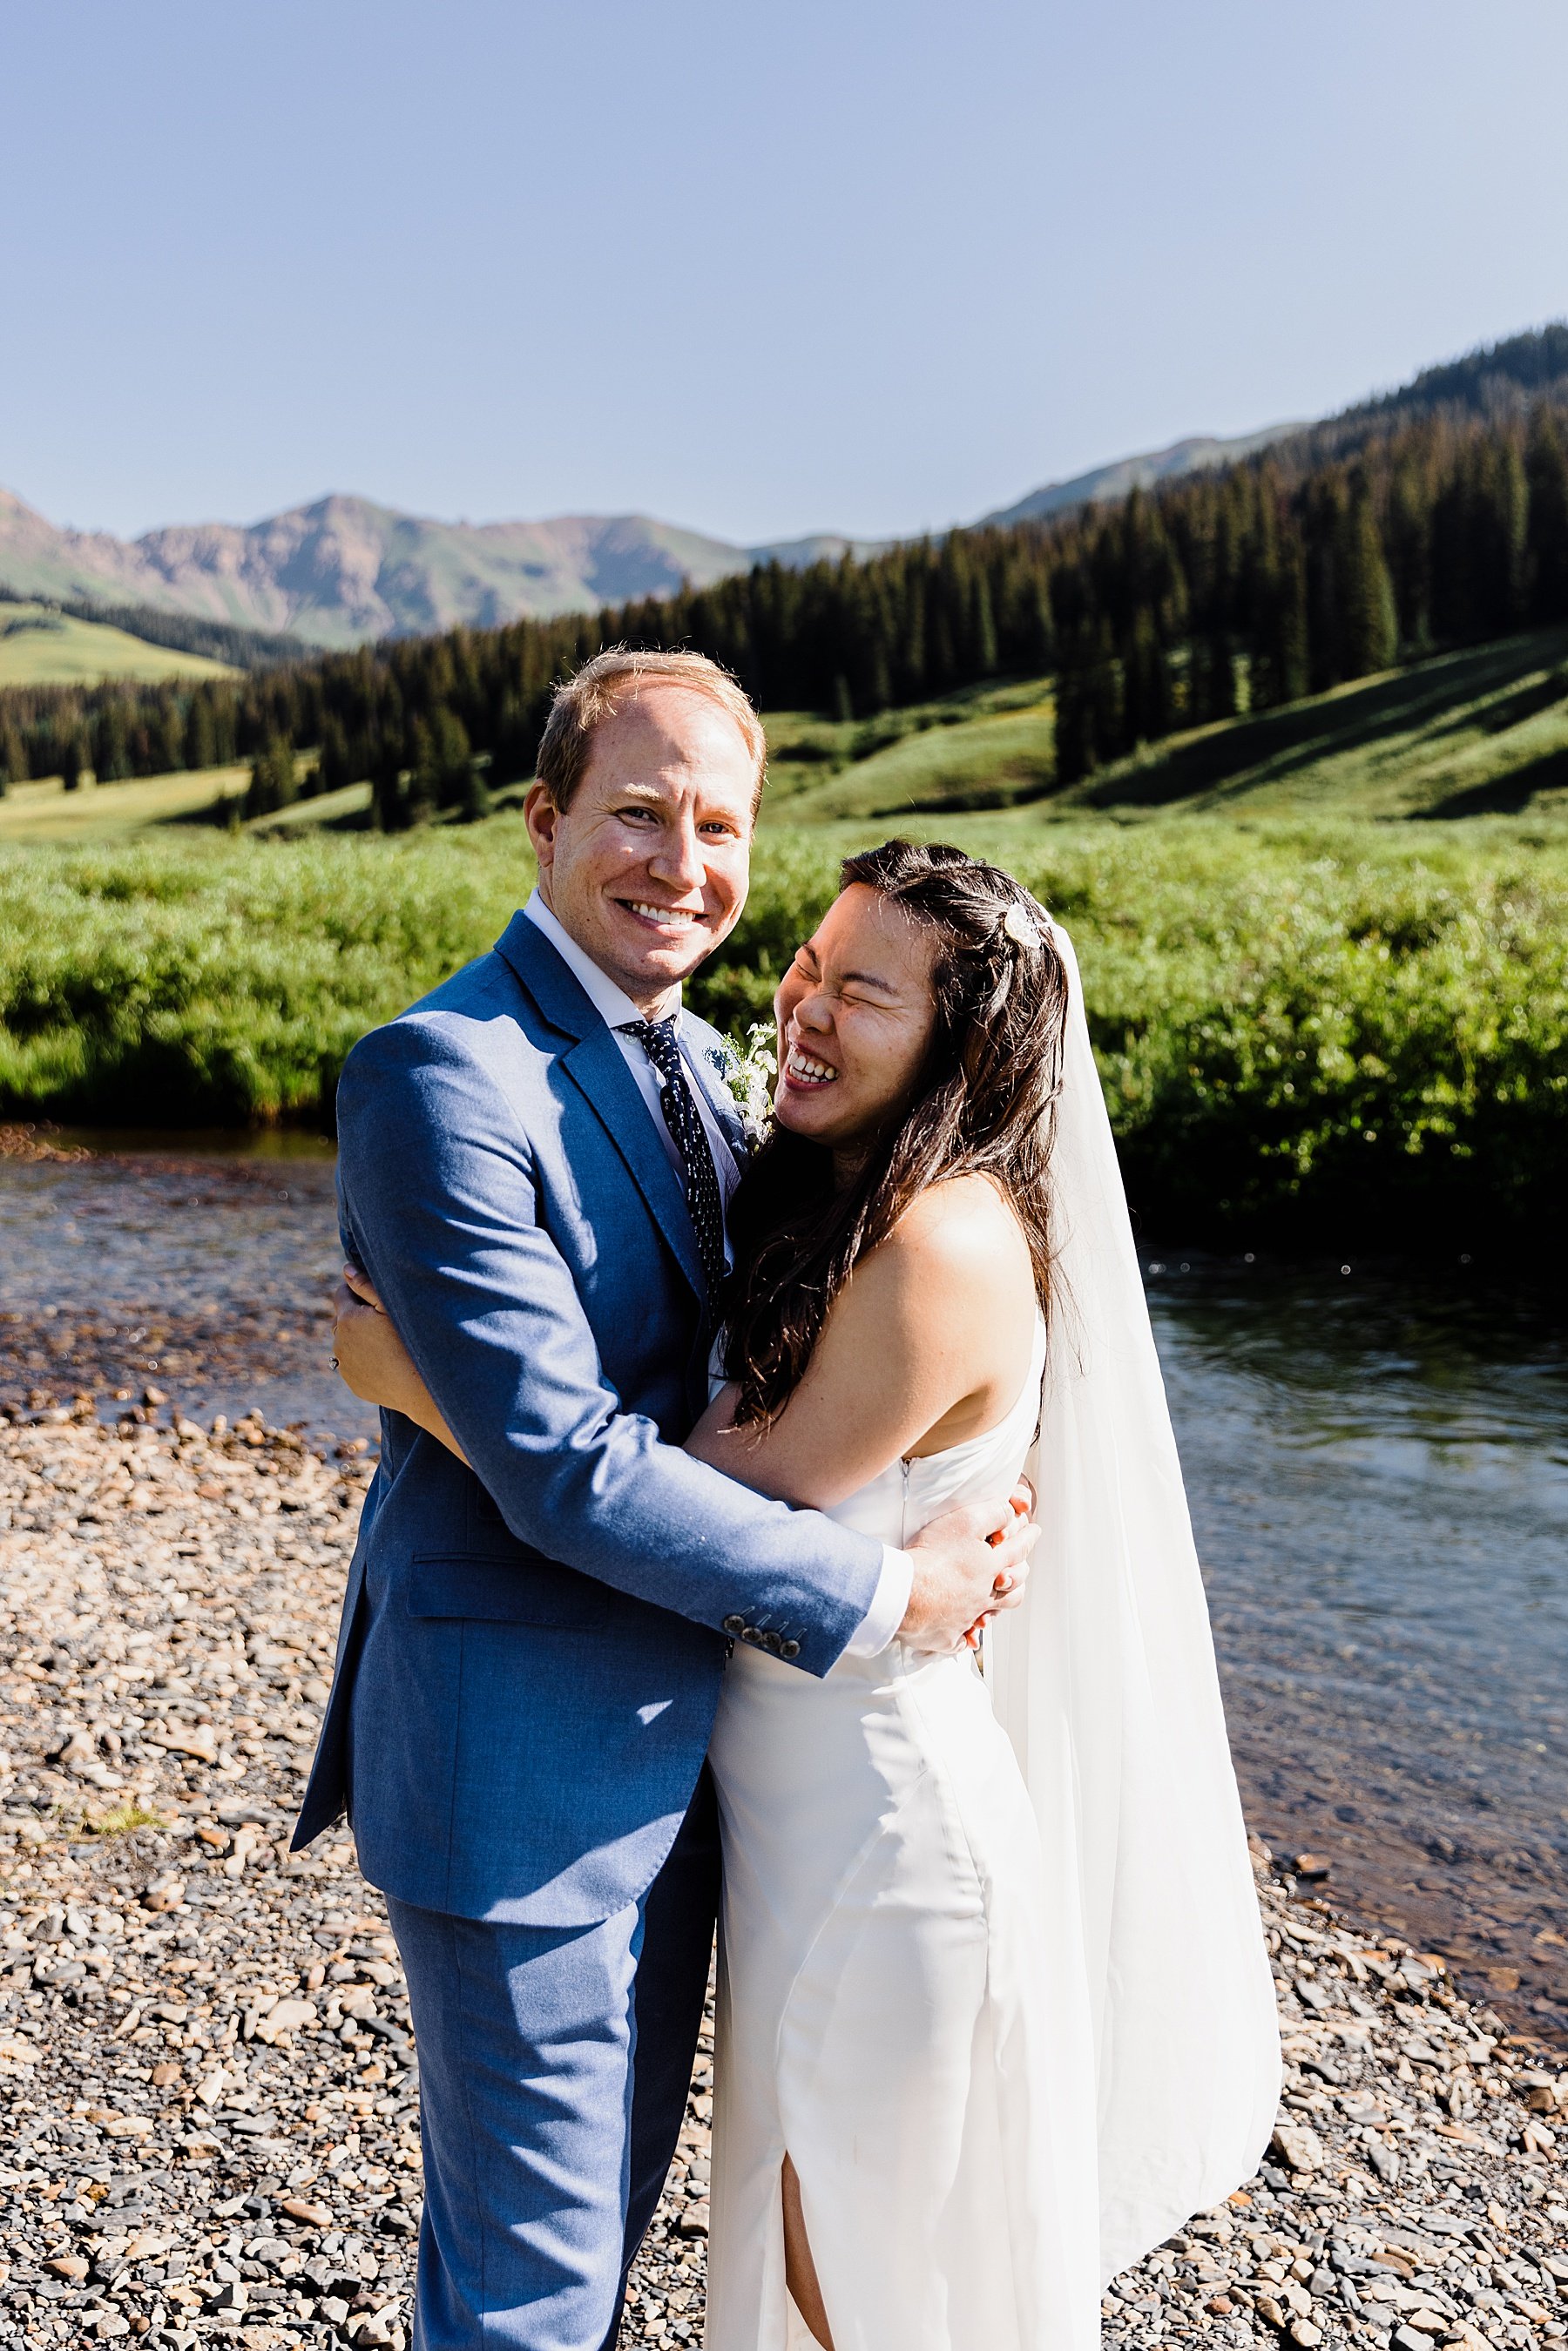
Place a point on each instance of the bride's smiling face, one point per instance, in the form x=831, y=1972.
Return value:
x=855, y=1013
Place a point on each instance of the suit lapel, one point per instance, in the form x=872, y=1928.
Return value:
x=595, y=1065
x=597, y=1068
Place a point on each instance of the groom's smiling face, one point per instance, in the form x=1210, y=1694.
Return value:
x=647, y=866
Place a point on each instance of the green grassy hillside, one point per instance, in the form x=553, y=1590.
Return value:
x=96, y=814
x=984, y=747
x=1482, y=732
x=1467, y=734
x=39, y=646
x=1478, y=732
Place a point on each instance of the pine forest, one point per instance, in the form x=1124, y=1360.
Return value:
x=1227, y=592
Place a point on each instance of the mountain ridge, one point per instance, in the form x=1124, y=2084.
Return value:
x=342, y=570
x=1193, y=454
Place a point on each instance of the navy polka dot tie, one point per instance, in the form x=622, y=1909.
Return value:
x=657, y=1039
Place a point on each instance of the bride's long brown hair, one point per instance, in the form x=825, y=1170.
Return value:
x=980, y=1106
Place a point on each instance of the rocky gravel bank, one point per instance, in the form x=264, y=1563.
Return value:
x=208, y=2081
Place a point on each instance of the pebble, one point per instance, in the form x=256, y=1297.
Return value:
x=1409, y=2199
x=211, y=2090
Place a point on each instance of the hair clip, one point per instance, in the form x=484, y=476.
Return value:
x=1018, y=927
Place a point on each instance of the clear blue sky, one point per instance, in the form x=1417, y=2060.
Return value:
x=863, y=265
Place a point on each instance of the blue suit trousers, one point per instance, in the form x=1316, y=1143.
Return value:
x=554, y=2065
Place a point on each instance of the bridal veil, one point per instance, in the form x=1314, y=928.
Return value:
x=1104, y=1680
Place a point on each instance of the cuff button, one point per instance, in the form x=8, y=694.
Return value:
x=734, y=1626
x=789, y=1651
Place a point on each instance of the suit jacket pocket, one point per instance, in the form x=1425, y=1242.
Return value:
x=525, y=1588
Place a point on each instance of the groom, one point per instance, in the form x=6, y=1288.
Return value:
x=534, y=1163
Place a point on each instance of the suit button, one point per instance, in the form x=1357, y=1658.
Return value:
x=734, y=1626
x=789, y=1651
x=749, y=1634
x=774, y=1643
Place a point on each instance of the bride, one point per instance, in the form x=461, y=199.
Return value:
x=994, y=2010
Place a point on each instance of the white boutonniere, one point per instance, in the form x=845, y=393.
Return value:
x=751, y=1074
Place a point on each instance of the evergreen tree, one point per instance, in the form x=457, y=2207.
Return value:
x=1211, y=680
x=111, y=743
x=201, y=747
x=1075, y=755
x=1280, y=665
x=454, y=760
x=473, y=800
x=982, y=629
x=13, y=754
x=1316, y=562
x=1409, y=539
x=336, y=766
x=421, y=794
x=1146, y=683
x=273, y=778
x=1090, y=715
x=166, y=737
x=1367, y=631
x=1546, y=473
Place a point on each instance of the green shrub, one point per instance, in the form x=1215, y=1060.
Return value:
x=1329, y=1030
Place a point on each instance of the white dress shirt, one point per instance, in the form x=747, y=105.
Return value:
x=615, y=1007
x=618, y=1012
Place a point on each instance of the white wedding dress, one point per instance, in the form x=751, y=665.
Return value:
x=992, y=1969
x=897, y=2007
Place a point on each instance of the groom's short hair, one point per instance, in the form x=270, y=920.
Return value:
x=599, y=688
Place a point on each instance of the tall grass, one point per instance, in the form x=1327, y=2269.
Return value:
x=1315, y=1029
x=209, y=983
x=1322, y=1029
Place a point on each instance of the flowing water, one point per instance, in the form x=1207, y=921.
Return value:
x=1377, y=1462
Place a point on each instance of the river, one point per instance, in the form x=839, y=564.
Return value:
x=1378, y=1461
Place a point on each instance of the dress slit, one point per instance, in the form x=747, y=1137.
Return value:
x=891, y=2013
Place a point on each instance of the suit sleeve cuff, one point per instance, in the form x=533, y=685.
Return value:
x=890, y=1601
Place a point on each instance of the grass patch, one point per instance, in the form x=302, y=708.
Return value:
x=1322, y=1004
x=39, y=646
x=951, y=753
x=186, y=979
x=1331, y=1028
x=1344, y=1027
x=94, y=813
x=123, y=1820
x=986, y=762
x=346, y=809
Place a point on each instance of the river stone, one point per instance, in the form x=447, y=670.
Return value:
x=215, y=1607
x=1298, y=2145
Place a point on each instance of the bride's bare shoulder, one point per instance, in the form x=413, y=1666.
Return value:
x=960, y=1229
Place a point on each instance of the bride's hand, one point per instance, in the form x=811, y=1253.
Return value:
x=373, y=1361
x=367, y=1352
x=1020, y=1501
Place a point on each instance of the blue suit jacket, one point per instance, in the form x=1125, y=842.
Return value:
x=530, y=1651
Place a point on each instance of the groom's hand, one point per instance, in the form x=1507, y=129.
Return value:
x=967, y=1565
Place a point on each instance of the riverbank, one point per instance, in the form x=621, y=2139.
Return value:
x=204, y=2050
x=1326, y=1028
